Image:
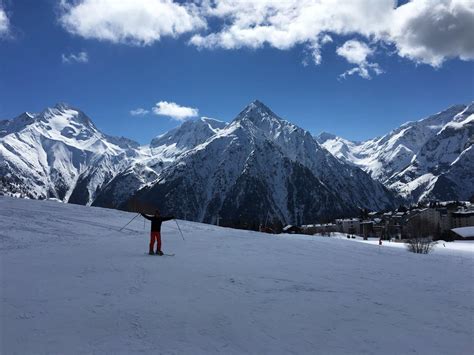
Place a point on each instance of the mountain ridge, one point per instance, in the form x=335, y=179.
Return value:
x=269, y=155
x=259, y=164
x=387, y=157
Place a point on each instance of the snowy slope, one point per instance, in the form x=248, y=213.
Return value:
x=262, y=168
x=59, y=153
x=71, y=283
x=412, y=158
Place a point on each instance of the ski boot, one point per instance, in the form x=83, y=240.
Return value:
x=159, y=252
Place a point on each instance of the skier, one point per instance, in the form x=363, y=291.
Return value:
x=155, y=233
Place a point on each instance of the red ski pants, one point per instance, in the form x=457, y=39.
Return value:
x=155, y=236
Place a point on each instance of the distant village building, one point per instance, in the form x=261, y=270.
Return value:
x=436, y=221
x=367, y=229
x=290, y=229
x=324, y=229
x=348, y=225
x=464, y=218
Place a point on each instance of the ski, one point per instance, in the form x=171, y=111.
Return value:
x=161, y=255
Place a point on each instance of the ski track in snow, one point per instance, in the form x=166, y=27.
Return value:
x=71, y=283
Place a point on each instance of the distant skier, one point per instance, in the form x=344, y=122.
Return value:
x=155, y=233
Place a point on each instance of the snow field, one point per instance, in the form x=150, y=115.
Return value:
x=71, y=283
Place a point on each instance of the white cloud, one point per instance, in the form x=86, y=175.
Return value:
x=4, y=22
x=139, y=112
x=363, y=70
x=175, y=111
x=424, y=31
x=283, y=24
x=356, y=52
x=81, y=57
x=137, y=22
x=432, y=31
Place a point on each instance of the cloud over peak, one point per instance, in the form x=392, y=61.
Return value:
x=175, y=111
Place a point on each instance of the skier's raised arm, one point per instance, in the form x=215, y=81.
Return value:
x=150, y=218
x=167, y=218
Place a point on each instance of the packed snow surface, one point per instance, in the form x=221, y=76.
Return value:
x=72, y=283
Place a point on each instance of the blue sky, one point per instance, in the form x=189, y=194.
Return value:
x=41, y=64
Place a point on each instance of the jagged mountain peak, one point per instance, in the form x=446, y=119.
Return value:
x=64, y=106
x=256, y=111
x=189, y=134
x=443, y=116
x=214, y=123
x=211, y=122
x=259, y=119
x=26, y=116
x=469, y=110
x=16, y=124
x=67, y=113
x=325, y=136
x=258, y=104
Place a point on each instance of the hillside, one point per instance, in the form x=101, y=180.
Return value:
x=72, y=283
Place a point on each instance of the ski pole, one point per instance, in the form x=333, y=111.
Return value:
x=182, y=236
x=129, y=222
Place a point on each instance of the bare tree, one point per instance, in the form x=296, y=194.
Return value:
x=420, y=234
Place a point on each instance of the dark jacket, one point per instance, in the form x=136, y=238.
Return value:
x=156, y=221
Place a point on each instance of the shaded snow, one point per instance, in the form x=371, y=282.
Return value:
x=71, y=283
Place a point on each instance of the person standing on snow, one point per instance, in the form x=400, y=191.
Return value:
x=155, y=233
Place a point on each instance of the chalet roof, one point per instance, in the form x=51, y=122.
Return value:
x=464, y=232
x=464, y=213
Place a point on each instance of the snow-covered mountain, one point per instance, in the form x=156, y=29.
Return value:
x=60, y=153
x=162, y=152
x=427, y=159
x=260, y=168
x=256, y=168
